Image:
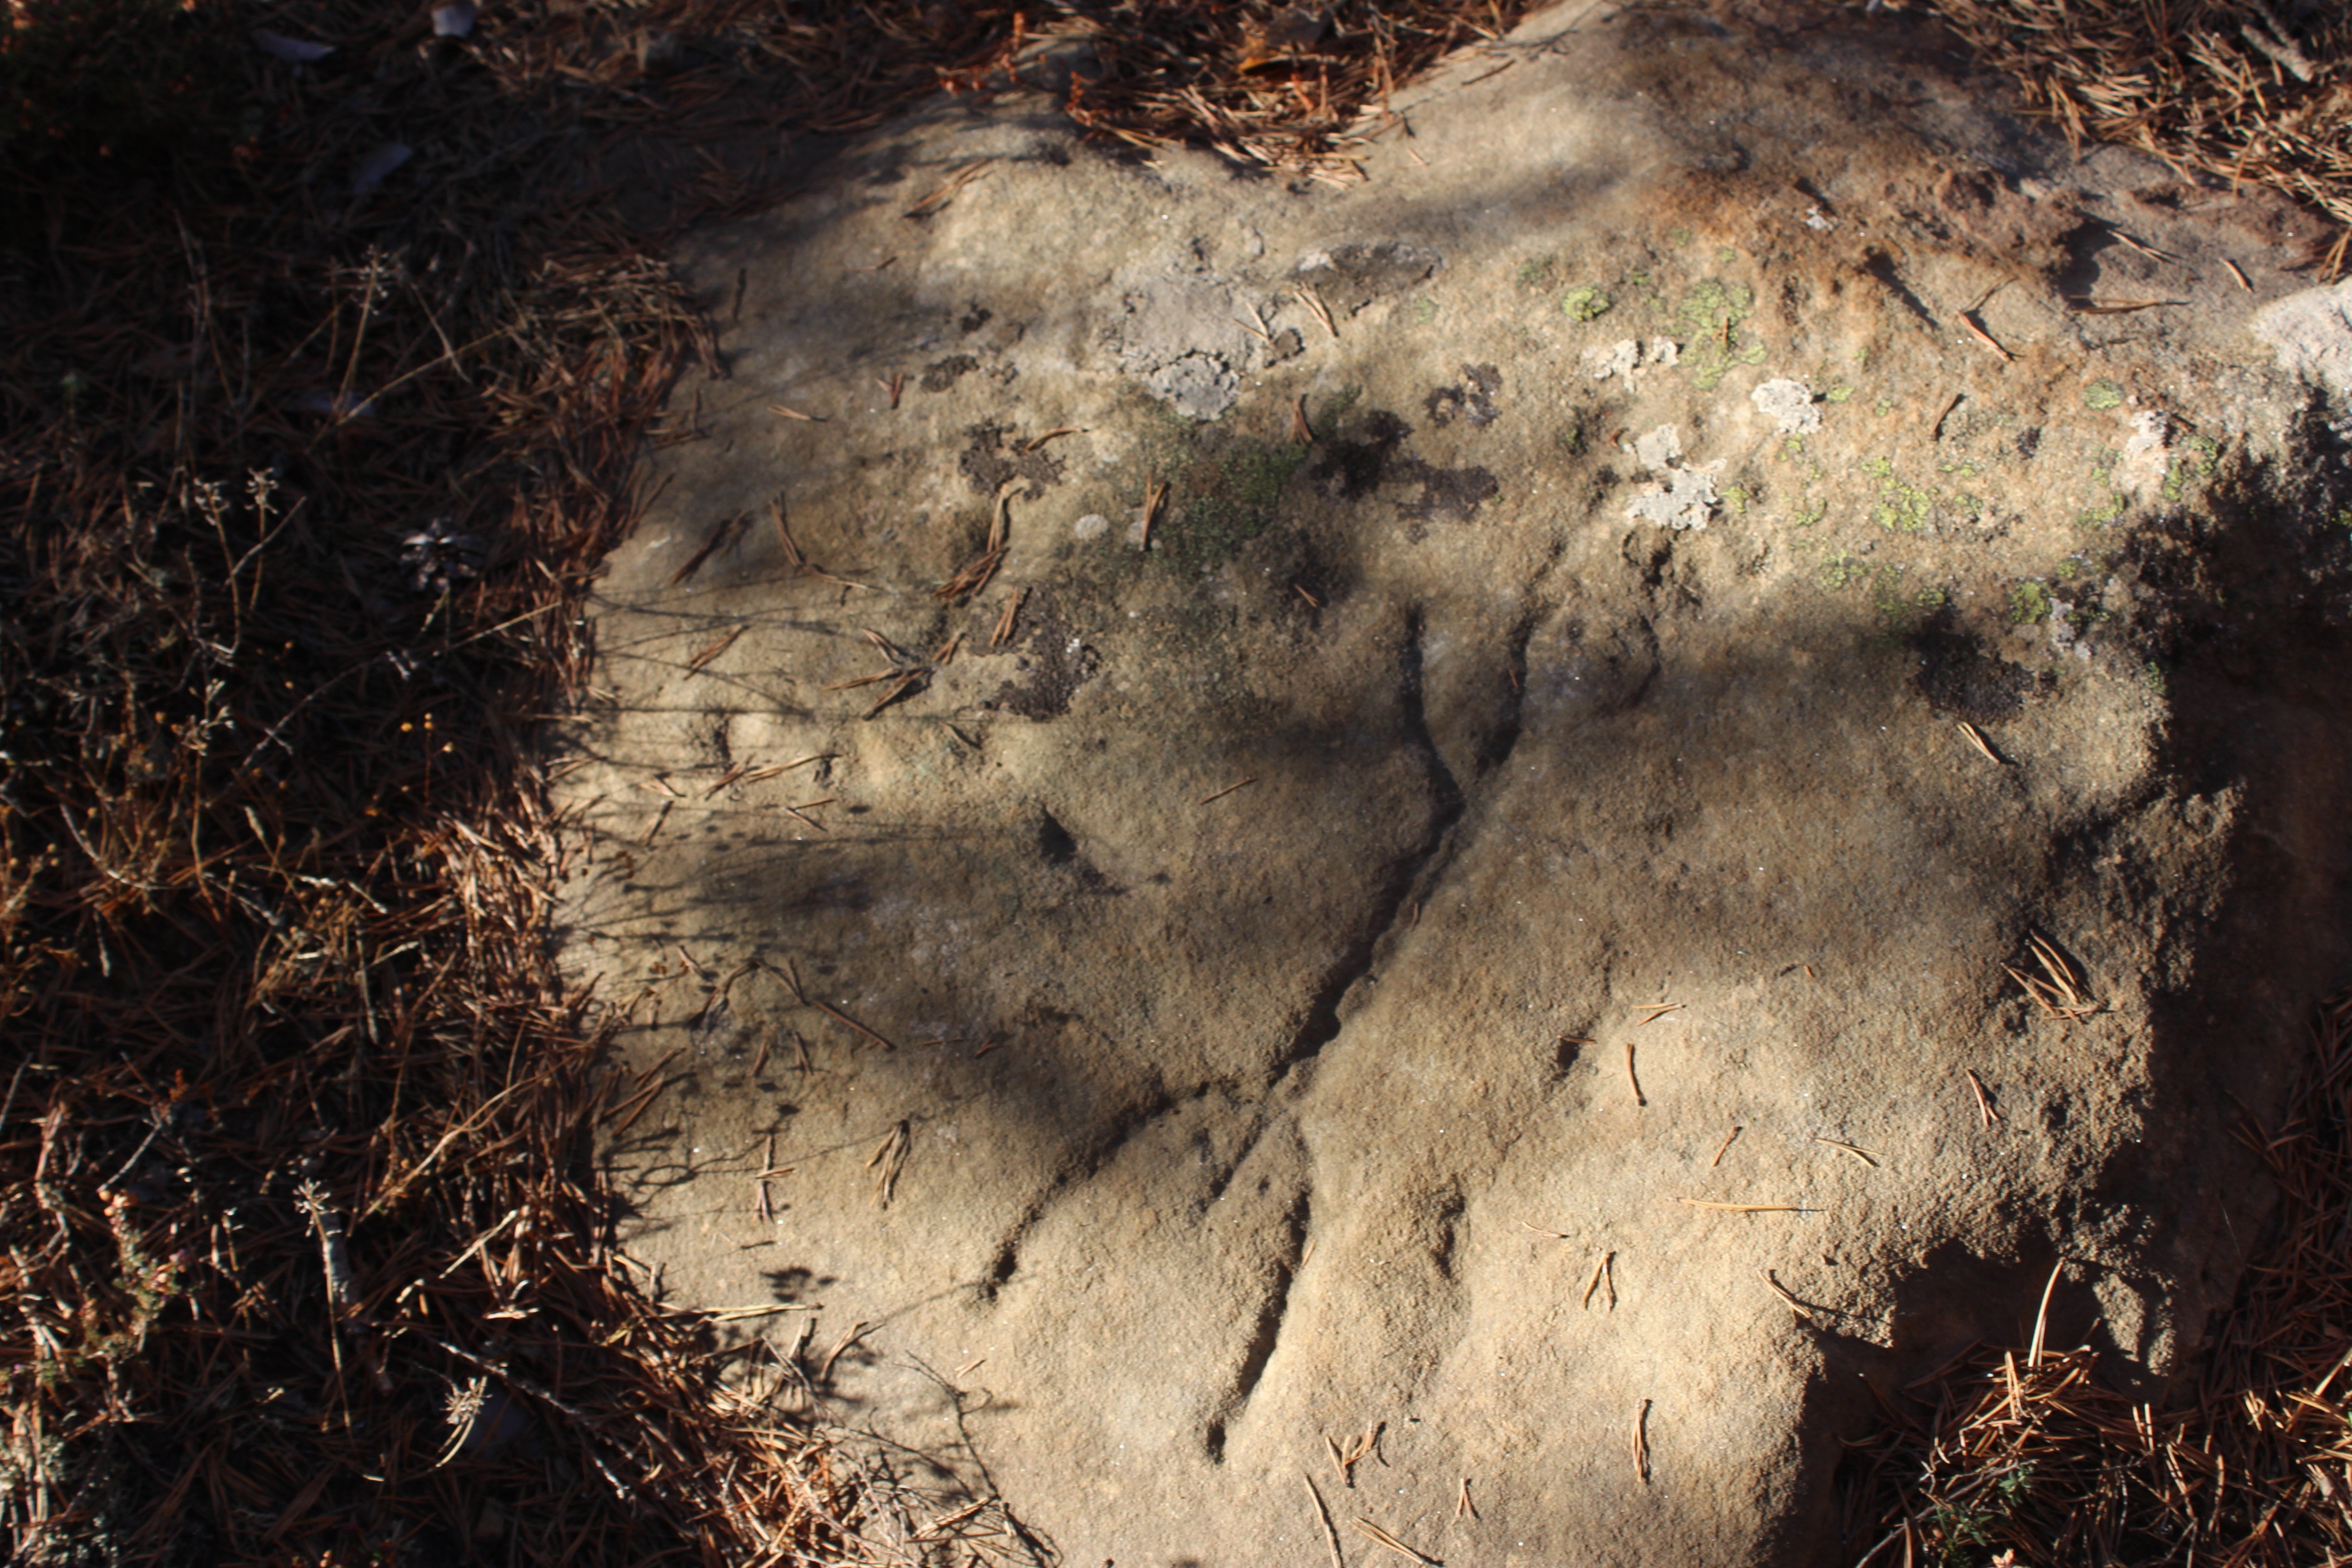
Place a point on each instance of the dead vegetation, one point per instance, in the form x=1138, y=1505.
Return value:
x=325, y=361
x=2228, y=91
x=2022, y=1455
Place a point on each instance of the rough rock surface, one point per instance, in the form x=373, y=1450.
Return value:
x=1267, y=882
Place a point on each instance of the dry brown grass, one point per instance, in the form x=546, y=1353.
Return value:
x=2026, y=1452
x=2234, y=90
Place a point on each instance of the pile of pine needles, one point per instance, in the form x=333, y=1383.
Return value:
x=2241, y=91
x=2028, y=1458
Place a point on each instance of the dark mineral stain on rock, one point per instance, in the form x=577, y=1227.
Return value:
x=993, y=456
x=1955, y=676
x=1350, y=470
x=1053, y=662
x=940, y=374
x=1447, y=494
x=1473, y=401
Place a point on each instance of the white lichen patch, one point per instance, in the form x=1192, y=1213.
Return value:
x=1659, y=449
x=1680, y=498
x=1789, y=404
x=1630, y=356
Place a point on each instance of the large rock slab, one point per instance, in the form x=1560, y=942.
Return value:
x=1521, y=698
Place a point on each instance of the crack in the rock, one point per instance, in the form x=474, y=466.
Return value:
x=1414, y=870
x=1267, y=1332
x=1081, y=1166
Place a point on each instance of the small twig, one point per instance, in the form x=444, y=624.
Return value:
x=1631, y=1076
x=1228, y=790
x=1642, y=1442
x=1722, y=1147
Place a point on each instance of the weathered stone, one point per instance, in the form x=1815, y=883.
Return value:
x=1268, y=931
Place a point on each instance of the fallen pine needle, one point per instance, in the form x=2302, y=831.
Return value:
x=2239, y=273
x=778, y=408
x=1986, y=339
x=1314, y=301
x=1781, y=1290
x=1976, y=738
x=1746, y=1209
x=1153, y=500
x=856, y=1332
x=2118, y=307
x=1642, y=1442
x=1371, y=1531
x=701, y=660
x=1631, y=1076
x=1462, y=1507
x=1723, y=1147
x=1603, y=1273
x=1229, y=789
x=1005, y=622
x=1330, y=1534
x=1984, y=1100
x=1862, y=1155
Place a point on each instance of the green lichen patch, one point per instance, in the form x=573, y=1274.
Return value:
x=1225, y=489
x=2105, y=515
x=1710, y=320
x=1838, y=572
x=1905, y=508
x=2200, y=456
x=2103, y=394
x=1586, y=302
x=2028, y=604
